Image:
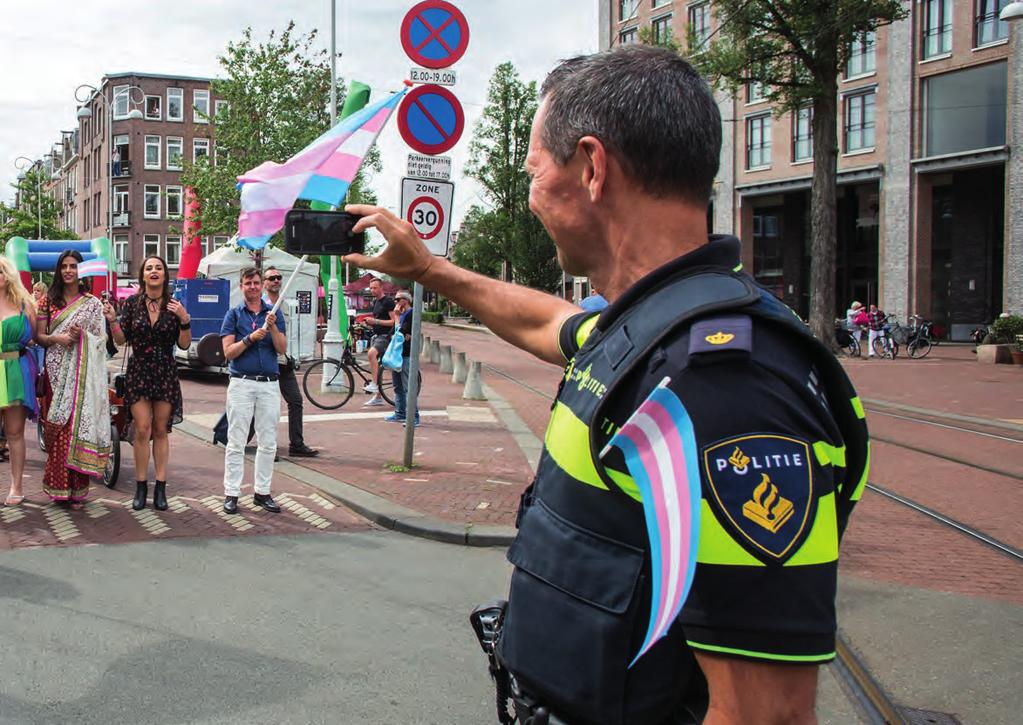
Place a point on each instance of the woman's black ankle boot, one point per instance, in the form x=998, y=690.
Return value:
x=160, y=496
x=141, y=491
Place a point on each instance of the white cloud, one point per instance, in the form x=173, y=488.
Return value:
x=52, y=46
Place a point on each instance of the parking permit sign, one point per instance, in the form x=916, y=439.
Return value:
x=426, y=205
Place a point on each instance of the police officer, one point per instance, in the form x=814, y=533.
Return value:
x=623, y=153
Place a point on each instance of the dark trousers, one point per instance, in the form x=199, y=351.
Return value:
x=293, y=397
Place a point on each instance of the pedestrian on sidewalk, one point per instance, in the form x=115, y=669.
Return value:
x=382, y=326
x=253, y=337
x=855, y=319
x=152, y=322
x=402, y=316
x=286, y=369
x=620, y=138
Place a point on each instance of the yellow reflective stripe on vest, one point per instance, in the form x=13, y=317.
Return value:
x=857, y=405
x=863, y=479
x=829, y=455
x=585, y=330
x=568, y=443
x=718, y=547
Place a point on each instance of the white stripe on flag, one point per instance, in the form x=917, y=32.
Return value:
x=358, y=144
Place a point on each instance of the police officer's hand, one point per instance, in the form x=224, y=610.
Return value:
x=404, y=256
x=258, y=334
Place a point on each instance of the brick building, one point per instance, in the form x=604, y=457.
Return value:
x=930, y=207
x=172, y=126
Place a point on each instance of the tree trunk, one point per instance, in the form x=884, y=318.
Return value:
x=823, y=217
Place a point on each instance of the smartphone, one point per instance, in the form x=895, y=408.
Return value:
x=322, y=232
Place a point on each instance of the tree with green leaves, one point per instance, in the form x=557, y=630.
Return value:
x=277, y=93
x=23, y=219
x=796, y=50
x=506, y=234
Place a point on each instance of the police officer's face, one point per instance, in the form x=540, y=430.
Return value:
x=557, y=197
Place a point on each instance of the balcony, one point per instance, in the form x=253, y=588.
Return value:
x=122, y=219
x=122, y=169
x=122, y=267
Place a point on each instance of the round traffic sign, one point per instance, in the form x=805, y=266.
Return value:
x=431, y=119
x=434, y=34
x=427, y=216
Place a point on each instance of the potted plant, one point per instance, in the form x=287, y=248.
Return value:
x=1017, y=352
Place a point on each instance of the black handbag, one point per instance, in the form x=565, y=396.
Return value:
x=121, y=379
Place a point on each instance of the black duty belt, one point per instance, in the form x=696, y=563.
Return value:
x=257, y=378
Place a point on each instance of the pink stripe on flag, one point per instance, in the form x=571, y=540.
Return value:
x=261, y=223
x=340, y=166
x=378, y=121
x=305, y=161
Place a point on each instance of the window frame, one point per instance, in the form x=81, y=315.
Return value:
x=196, y=143
x=180, y=143
x=664, y=22
x=867, y=45
x=147, y=191
x=990, y=19
x=864, y=125
x=148, y=239
x=122, y=192
x=146, y=145
x=629, y=36
x=117, y=94
x=943, y=31
x=701, y=9
x=199, y=116
x=750, y=98
x=167, y=243
x=180, y=94
x=159, y=108
x=122, y=242
x=797, y=138
x=175, y=191
x=764, y=121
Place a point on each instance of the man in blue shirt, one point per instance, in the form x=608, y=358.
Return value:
x=253, y=337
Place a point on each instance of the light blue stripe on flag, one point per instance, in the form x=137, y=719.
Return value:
x=325, y=189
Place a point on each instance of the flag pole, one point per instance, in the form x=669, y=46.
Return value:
x=287, y=285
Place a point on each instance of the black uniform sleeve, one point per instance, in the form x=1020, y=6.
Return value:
x=574, y=332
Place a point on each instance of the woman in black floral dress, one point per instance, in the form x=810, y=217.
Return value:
x=152, y=322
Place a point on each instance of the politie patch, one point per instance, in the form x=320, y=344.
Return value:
x=763, y=485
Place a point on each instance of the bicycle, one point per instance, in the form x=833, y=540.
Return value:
x=885, y=344
x=329, y=384
x=846, y=340
x=919, y=342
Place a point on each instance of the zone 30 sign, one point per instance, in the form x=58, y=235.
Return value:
x=426, y=205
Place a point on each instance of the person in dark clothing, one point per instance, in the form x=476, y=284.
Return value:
x=403, y=322
x=383, y=326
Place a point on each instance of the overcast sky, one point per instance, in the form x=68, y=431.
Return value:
x=49, y=47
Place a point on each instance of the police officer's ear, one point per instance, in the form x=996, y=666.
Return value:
x=594, y=171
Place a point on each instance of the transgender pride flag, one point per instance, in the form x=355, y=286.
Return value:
x=322, y=171
x=93, y=268
x=660, y=451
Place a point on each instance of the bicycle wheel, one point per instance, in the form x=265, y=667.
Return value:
x=327, y=384
x=878, y=345
x=919, y=347
x=386, y=384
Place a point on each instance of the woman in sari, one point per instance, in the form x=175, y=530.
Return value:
x=76, y=423
x=17, y=371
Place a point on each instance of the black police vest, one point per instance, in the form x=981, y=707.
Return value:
x=579, y=595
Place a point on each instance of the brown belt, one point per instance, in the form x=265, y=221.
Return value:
x=14, y=355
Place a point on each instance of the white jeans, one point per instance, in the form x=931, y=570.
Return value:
x=248, y=400
x=874, y=334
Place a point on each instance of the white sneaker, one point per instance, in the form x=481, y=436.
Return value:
x=375, y=400
x=371, y=388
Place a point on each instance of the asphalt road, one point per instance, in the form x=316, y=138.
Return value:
x=367, y=627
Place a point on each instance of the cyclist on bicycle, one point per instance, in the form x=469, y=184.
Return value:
x=876, y=322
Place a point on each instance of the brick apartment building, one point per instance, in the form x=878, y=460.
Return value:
x=147, y=215
x=930, y=207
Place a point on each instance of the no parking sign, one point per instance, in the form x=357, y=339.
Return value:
x=435, y=34
x=426, y=205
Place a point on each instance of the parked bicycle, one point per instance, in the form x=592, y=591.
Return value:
x=845, y=339
x=329, y=383
x=920, y=339
x=885, y=343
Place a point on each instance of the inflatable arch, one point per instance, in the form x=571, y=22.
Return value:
x=35, y=255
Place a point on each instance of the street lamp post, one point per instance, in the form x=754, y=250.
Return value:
x=24, y=163
x=84, y=95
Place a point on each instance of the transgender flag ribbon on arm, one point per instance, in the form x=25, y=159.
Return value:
x=659, y=445
x=322, y=171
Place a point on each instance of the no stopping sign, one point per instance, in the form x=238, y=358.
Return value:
x=426, y=205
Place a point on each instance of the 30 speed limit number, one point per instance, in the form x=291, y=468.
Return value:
x=426, y=205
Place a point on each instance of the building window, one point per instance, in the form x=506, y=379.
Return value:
x=754, y=92
x=96, y=217
x=151, y=245
x=802, y=134
x=121, y=249
x=151, y=201
x=862, y=56
x=627, y=9
x=758, y=142
x=153, y=108
x=659, y=3
x=989, y=29
x=201, y=106
x=937, y=28
x=628, y=37
x=219, y=242
x=965, y=110
x=200, y=148
x=120, y=102
x=699, y=23
x=173, y=251
x=859, y=122
x=220, y=109
x=175, y=150
x=152, y=152
x=120, y=199
x=173, y=202
x=662, y=29
x=175, y=104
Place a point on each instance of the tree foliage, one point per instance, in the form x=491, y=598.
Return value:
x=278, y=93
x=796, y=50
x=505, y=235
x=22, y=219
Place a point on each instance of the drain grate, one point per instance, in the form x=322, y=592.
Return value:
x=928, y=717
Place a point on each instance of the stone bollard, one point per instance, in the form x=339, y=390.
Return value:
x=474, y=383
x=435, y=351
x=460, y=373
x=446, y=366
x=424, y=349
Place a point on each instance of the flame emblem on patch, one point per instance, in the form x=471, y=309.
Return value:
x=739, y=459
x=720, y=338
x=767, y=507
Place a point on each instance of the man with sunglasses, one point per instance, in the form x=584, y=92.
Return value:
x=288, y=381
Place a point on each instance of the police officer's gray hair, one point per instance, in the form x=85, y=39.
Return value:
x=648, y=106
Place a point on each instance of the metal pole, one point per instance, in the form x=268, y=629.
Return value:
x=39, y=201
x=332, y=340
x=412, y=394
x=110, y=189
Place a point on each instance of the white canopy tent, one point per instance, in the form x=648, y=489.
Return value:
x=301, y=305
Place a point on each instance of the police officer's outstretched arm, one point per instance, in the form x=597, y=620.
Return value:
x=525, y=317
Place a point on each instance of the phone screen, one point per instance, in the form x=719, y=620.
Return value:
x=322, y=232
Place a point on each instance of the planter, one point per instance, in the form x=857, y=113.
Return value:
x=1001, y=354
x=1017, y=357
